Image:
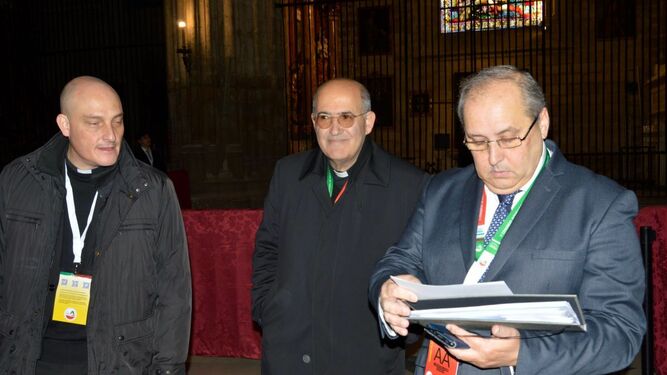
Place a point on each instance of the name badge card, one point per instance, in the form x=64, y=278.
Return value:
x=72, y=298
x=439, y=362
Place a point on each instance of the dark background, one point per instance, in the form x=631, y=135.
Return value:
x=47, y=43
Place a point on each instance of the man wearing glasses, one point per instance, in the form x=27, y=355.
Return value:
x=330, y=214
x=525, y=215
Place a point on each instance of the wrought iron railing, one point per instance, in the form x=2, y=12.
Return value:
x=601, y=64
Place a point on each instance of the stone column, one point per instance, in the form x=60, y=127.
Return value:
x=227, y=113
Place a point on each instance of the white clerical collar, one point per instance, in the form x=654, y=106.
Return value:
x=81, y=171
x=341, y=174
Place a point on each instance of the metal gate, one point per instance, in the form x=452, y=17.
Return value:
x=601, y=64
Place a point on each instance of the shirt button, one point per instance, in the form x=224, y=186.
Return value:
x=305, y=358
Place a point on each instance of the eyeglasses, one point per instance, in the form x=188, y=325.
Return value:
x=324, y=120
x=501, y=142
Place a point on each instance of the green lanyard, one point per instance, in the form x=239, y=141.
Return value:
x=494, y=244
x=330, y=182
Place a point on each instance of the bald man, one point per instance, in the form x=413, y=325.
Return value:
x=94, y=271
x=330, y=214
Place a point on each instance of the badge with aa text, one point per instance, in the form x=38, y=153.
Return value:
x=439, y=362
x=72, y=298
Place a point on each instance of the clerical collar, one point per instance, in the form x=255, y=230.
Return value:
x=97, y=176
x=84, y=171
x=353, y=171
x=341, y=174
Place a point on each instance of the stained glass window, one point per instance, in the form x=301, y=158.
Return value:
x=477, y=15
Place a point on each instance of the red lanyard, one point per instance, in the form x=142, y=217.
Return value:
x=340, y=193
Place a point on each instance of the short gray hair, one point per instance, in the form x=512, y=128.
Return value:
x=531, y=92
x=365, y=95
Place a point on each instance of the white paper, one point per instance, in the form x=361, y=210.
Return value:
x=430, y=292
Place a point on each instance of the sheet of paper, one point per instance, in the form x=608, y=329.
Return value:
x=429, y=292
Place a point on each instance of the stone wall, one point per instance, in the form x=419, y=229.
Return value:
x=227, y=116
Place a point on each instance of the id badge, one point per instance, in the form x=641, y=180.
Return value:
x=72, y=298
x=439, y=362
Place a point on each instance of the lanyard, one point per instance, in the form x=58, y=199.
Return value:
x=330, y=185
x=485, y=255
x=78, y=239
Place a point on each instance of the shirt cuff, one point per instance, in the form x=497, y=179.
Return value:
x=390, y=332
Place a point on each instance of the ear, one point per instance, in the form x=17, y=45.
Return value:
x=544, y=122
x=63, y=124
x=312, y=119
x=369, y=122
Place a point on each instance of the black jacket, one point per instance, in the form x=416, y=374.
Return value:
x=312, y=264
x=139, y=318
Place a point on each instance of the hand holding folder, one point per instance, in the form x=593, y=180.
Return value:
x=485, y=304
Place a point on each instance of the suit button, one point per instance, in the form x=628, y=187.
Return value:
x=120, y=338
x=12, y=349
x=305, y=358
x=52, y=287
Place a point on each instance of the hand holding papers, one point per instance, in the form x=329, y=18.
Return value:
x=485, y=304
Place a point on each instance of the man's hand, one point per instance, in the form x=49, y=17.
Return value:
x=393, y=300
x=502, y=349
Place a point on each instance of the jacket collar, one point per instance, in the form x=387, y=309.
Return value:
x=372, y=159
x=49, y=159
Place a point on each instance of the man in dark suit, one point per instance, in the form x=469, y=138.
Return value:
x=525, y=215
x=146, y=152
x=330, y=214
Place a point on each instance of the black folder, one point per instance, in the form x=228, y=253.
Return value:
x=497, y=300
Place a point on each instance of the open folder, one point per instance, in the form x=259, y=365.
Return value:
x=485, y=304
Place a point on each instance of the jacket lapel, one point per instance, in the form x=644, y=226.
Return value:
x=538, y=201
x=469, y=210
x=318, y=187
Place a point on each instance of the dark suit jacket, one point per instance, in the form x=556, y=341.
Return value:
x=573, y=235
x=312, y=262
x=158, y=159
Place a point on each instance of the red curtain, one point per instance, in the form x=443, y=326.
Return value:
x=656, y=218
x=221, y=243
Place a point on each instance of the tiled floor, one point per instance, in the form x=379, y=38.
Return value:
x=235, y=366
x=240, y=366
x=220, y=365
